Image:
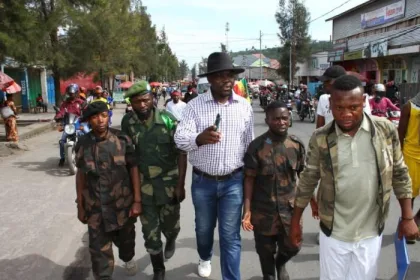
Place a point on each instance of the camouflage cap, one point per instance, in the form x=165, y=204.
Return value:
x=140, y=88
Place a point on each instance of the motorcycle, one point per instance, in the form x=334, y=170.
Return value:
x=307, y=110
x=290, y=108
x=73, y=128
x=394, y=117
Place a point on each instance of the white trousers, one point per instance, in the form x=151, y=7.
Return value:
x=349, y=261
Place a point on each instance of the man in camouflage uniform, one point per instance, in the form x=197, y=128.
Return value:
x=108, y=192
x=357, y=160
x=272, y=163
x=162, y=167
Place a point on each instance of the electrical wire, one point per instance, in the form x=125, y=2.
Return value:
x=321, y=16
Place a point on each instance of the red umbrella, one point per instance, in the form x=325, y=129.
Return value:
x=5, y=80
x=155, y=84
x=359, y=76
x=12, y=88
x=126, y=85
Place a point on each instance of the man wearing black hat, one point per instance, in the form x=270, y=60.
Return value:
x=108, y=192
x=216, y=129
x=323, y=111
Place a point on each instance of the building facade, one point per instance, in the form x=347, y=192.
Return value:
x=34, y=80
x=380, y=40
x=257, y=67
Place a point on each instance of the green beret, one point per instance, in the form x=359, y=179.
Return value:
x=93, y=109
x=139, y=88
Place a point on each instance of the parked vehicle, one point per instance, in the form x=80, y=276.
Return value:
x=203, y=85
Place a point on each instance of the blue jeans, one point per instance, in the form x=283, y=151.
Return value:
x=220, y=200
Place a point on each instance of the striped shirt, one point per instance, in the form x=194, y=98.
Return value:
x=236, y=127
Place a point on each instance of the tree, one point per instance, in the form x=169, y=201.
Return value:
x=183, y=69
x=202, y=66
x=223, y=48
x=194, y=72
x=29, y=32
x=293, y=20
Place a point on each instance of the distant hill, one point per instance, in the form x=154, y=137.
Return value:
x=274, y=53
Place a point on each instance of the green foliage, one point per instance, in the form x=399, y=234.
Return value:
x=293, y=19
x=96, y=36
x=183, y=69
x=194, y=72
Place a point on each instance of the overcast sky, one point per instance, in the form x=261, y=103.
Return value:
x=196, y=28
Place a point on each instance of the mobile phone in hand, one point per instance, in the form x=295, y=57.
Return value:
x=217, y=122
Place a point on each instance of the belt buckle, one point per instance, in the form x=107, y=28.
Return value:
x=220, y=178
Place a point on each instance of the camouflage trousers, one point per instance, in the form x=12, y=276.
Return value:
x=100, y=247
x=157, y=219
x=274, y=251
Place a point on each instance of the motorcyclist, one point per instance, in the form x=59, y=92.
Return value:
x=380, y=104
x=303, y=96
x=72, y=105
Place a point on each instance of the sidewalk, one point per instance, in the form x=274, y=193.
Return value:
x=29, y=125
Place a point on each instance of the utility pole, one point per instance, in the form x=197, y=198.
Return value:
x=261, y=55
x=227, y=36
x=292, y=45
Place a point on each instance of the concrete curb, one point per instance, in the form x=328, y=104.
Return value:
x=36, y=129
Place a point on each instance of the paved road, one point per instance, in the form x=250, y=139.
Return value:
x=42, y=239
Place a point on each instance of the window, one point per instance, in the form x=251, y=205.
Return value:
x=314, y=63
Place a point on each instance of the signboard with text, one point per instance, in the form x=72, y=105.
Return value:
x=335, y=55
x=377, y=49
x=383, y=15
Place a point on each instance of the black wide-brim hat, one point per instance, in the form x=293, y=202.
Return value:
x=219, y=62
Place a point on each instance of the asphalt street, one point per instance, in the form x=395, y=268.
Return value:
x=41, y=237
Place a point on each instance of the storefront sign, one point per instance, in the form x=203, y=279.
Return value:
x=335, y=56
x=377, y=49
x=340, y=46
x=383, y=15
x=23, y=86
x=353, y=55
x=410, y=49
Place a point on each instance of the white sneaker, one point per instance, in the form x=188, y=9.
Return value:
x=130, y=268
x=204, y=268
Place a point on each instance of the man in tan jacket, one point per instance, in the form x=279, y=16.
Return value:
x=358, y=160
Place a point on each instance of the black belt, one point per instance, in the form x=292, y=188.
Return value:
x=217, y=177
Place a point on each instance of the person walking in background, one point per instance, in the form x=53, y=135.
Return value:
x=108, y=192
x=409, y=132
x=272, y=163
x=357, y=161
x=176, y=106
x=215, y=130
x=190, y=94
x=162, y=167
x=9, y=115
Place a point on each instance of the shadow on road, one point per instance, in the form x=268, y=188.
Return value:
x=49, y=166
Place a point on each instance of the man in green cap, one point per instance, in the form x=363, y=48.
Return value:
x=162, y=169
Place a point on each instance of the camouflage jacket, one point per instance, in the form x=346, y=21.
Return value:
x=108, y=195
x=275, y=164
x=156, y=153
x=322, y=164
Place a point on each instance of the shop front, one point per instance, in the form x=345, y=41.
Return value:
x=393, y=68
x=354, y=61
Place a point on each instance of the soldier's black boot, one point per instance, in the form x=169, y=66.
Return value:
x=282, y=273
x=170, y=248
x=158, y=266
x=267, y=266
